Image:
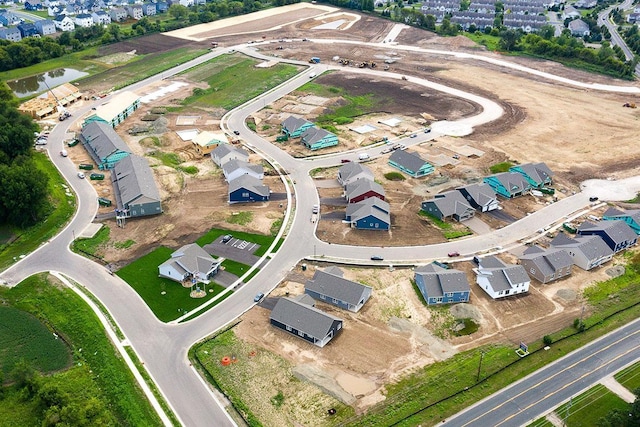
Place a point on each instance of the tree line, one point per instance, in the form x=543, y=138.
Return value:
x=24, y=196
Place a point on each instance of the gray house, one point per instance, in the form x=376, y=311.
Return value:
x=508, y=184
x=450, y=204
x=480, y=196
x=369, y=214
x=329, y=286
x=118, y=14
x=11, y=34
x=618, y=235
x=190, y=262
x=442, y=286
x=537, y=174
x=135, y=189
x=305, y=321
x=362, y=189
x=225, y=152
x=45, y=27
x=579, y=28
x=410, y=163
x=587, y=252
x=546, y=265
x=353, y=171
x=236, y=168
x=247, y=188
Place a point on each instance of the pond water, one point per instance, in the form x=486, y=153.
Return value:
x=38, y=83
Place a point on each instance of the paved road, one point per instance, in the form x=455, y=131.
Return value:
x=163, y=347
x=616, y=38
x=533, y=396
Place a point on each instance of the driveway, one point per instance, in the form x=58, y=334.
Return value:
x=236, y=250
x=478, y=226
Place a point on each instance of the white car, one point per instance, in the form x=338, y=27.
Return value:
x=80, y=175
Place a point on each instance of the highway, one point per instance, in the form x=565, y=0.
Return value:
x=163, y=347
x=533, y=396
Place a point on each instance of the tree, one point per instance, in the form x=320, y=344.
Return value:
x=178, y=11
x=509, y=39
x=16, y=129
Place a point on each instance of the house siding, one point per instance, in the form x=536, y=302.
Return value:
x=366, y=195
x=425, y=169
x=370, y=223
x=244, y=195
x=144, y=209
x=320, y=342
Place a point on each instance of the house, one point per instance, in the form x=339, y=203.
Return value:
x=190, y=262
x=369, y=214
x=234, y=169
x=315, y=138
x=205, y=142
x=149, y=9
x=45, y=27
x=27, y=30
x=508, y=184
x=103, y=144
x=247, y=188
x=442, y=286
x=185, y=3
x=330, y=286
x=618, y=235
x=363, y=189
x=63, y=23
x=11, y=34
x=32, y=5
x=499, y=279
x=224, y=153
x=570, y=12
x=293, y=126
x=410, y=163
x=8, y=18
x=353, y=171
x=135, y=189
x=101, y=18
x=585, y=4
x=538, y=175
x=116, y=110
x=84, y=20
x=546, y=265
x=579, y=28
x=135, y=11
x=118, y=14
x=480, y=196
x=162, y=7
x=587, y=252
x=631, y=217
x=633, y=18
x=305, y=321
x=450, y=204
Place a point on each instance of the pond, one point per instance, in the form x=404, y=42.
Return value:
x=38, y=83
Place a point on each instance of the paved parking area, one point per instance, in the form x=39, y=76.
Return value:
x=235, y=249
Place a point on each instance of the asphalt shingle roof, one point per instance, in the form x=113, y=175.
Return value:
x=336, y=287
x=250, y=183
x=409, y=160
x=438, y=281
x=134, y=180
x=303, y=317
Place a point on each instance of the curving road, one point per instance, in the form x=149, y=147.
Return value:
x=163, y=347
x=616, y=38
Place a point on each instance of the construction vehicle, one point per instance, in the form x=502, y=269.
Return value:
x=629, y=105
x=62, y=112
x=314, y=60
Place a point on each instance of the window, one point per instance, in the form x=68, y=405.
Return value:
x=335, y=301
x=339, y=326
x=301, y=333
x=289, y=328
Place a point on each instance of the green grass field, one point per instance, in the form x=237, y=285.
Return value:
x=541, y=422
x=629, y=377
x=142, y=276
x=63, y=207
x=98, y=377
x=24, y=337
x=586, y=409
x=500, y=167
x=233, y=80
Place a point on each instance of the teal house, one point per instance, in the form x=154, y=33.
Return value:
x=508, y=184
x=410, y=163
x=314, y=139
x=116, y=110
x=537, y=174
x=631, y=217
x=293, y=126
x=103, y=144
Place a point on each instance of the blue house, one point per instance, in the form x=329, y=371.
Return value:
x=450, y=204
x=162, y=7
x=618, y=235
x=293, y=126
x=441, y=285
x=369, y=214
x=537, y=174
x=508, y=184
x=410, y=163
x=314, y=138
x=103, y=144
x=329, y=286
x=27, y=30
x=247, y=188
x=33, y=5
x=631, y=217
x=300, y=318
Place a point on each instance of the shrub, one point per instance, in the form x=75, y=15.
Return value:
x=547, y=340
x=394, y=176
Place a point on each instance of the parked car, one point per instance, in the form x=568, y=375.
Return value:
x=258, y=297
x=453, y=254
x=236, y=132
x=104, y=201
x=80, y=175
x=413, y=135
x=316, y=209
x=386, y=150
x=226, y=238
x=345, y=161
x=63, y=153
x=427, y=130
x=376, y=258
x=593, y=199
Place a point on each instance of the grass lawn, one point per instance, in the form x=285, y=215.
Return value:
x=142, y=275
x=500, y=167
x=586, y=409
x=541, y=422
x=233, y=80
x=629, y=377
x=63, y=206
x=24, y=337
x=98, y=376
x=448, y=229
x=492, y=43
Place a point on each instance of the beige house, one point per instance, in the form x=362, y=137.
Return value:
x=205, y=142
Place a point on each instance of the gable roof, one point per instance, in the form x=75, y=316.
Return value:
x=438, y=281
x=450, y=203
x=617, y=230
x=134, y=180
x=305, y=318
x=116, y=105
x=502, y=275
x=513, y=182
x=369, y=206
x=293, y=123
x=313, y=135
x=337, y=287
x=351, y=170
x=407, y=159
x=548, y=261
x=103, y=140
x=223, y=150
x=249, y=183
x=593, y=247
x=206, y=138
x=191, y=258
x=481, y=193
x=235, y=164
x=362, y=186
x=538, y=172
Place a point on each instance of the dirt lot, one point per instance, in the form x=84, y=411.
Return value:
x=578, y=133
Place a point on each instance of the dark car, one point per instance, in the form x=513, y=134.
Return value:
x=593, y=199
x=376, y=258
x=236, y=132
x=226, y=238
x=453, y=254
x=345, y=161
x=258, y=297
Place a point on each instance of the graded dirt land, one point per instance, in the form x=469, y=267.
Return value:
x=578, y=133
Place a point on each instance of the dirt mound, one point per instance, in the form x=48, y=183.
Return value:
x=466, y=311
x=429, y=344
x=567, y=294
x=321, y=378
x=615, y=271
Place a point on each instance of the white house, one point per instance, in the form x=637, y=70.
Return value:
x=499, y=279
x=190, y=262
x=225, y=152
x=84, y=20
x=101, y=18
x=236, y=168
x=135, y=11
x=64, y=23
